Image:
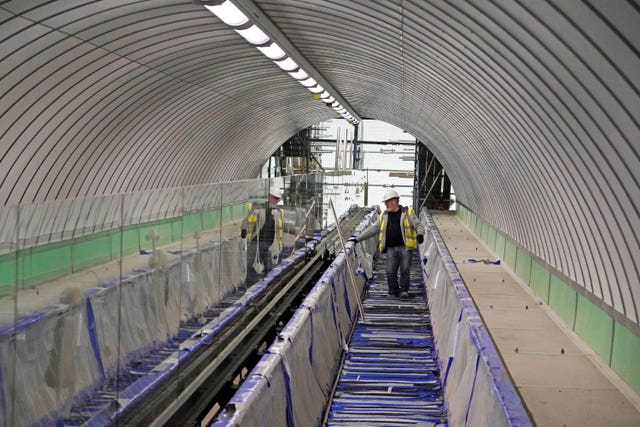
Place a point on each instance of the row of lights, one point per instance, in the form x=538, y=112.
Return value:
x=232, y=16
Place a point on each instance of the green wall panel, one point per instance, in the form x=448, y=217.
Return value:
x=177, y=230
x=563, y=300
x=595, y=327
x=191, y=222
x=540, y=278
x=491, y=239
x=510, y=254
x=477, y=227
x=625, y=356
x=484, y=232
x=91, y=250
x=130, y=237
x=239, y=211
x=226, y=214
x=43, y=263
x=501, y=242
x=461, y=211
x=162, y=229
x=523, y=265
x=211, y=219
x=7, y=274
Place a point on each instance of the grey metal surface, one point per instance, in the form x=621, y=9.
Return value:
x=531, y=106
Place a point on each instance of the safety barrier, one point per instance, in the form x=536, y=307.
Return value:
x=58, y=357
x=478, y=389
x=292, y=383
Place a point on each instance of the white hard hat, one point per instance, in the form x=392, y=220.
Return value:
x=390, y=194
x=275, y=192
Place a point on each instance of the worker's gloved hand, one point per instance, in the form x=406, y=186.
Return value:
x=243, y=233
x=420, y=238
x=353, y=239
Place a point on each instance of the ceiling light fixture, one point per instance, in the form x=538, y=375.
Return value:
x=231, y=15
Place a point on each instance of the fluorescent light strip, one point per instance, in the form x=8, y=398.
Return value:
x=273, y=51
x=299, y=75
x=287, y=64
x=232, y=16
x=229, y=14
x=308, y=82
x=253, y=35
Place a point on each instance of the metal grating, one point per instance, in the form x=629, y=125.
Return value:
x=390, y=375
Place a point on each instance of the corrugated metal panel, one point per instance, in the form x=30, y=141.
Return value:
x=532, y=107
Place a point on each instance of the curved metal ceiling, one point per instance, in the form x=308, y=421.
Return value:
x=532, y=107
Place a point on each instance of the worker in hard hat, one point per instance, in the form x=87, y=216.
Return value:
x=399, y=232
x=263, y=229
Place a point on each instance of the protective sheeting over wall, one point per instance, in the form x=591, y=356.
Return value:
x=60, y=355
x=288, y=386
x=477, y=385
x=292, y=383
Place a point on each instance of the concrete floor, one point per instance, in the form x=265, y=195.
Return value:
x=562, y=382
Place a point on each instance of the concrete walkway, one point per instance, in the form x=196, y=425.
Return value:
x=562, y=382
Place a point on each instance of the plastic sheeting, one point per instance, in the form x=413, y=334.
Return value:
x=288, y=387
x=291, y=384
x=57, y=357
x=45, y=361
x=477, y=388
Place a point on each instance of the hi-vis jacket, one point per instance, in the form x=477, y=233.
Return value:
x=410, y=226
x=255, y=218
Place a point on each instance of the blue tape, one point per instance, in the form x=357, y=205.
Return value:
x=346, y=300
x=311, y=340
x=334, y=308
x=287, y=389
x=446, y=374
x=93, y=336
x=473, y=389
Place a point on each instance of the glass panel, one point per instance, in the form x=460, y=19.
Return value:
x=150, y=296
x=258, y=240
x=98, y=292
x=53, y=360
x=9, y=279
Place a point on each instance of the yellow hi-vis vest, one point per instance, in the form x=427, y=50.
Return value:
x=409, y=233
x=280, y=227
x=252, y=221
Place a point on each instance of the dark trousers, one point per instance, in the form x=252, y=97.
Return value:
x=398, y=257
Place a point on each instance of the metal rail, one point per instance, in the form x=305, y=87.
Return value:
x=190, y=397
